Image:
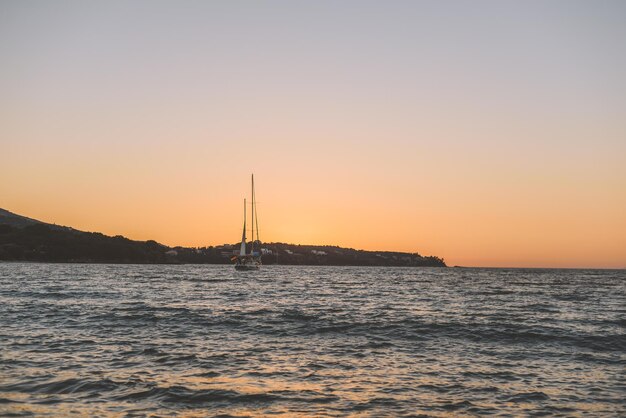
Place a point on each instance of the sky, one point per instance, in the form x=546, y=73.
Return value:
x=489, y=133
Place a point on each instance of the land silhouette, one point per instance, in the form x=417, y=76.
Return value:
x=26, y=239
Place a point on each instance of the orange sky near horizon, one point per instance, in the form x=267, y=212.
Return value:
x=489, y=136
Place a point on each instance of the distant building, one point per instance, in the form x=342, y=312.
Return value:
x=317, y=252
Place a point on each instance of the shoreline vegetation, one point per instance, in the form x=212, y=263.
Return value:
x=26, y=239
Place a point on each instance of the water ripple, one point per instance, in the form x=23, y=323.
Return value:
x=131, y=340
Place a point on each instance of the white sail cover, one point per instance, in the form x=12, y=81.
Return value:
x=242, y=250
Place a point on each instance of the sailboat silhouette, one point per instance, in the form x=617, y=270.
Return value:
x=252, y=260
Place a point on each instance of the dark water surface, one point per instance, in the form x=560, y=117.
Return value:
x=130, y=340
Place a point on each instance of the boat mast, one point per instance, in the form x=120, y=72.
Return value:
x=252, y=214
x=254, y=209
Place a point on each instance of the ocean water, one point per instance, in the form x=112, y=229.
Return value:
x=201, y=340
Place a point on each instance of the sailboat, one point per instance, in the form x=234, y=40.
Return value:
x=251, y=261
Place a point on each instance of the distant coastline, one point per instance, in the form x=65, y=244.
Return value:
x=26, y=239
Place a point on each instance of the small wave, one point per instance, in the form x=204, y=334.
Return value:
x=375, y=403
x=230, y=416
x=63, y=387
x=526, y=397
x=151, y=351
x=541, y=307
x=440, y=388
x=621, y=322
x=184, y=395
x=207, y=374
x=7, y=400
x=502, y=376
x=257, y=312
x=455, y=406
x=174, y=359
x=298, y=315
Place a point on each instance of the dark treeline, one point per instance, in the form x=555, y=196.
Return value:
x=336, y=256
x=41, y=242
x=24, y=239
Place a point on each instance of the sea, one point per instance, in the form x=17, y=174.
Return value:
x=204, y=340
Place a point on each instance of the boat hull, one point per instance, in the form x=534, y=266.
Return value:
x=247, y=262
x=246, y=267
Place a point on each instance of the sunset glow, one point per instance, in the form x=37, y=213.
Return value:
x=489, y=134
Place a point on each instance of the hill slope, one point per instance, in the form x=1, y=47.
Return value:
x=12, y=219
